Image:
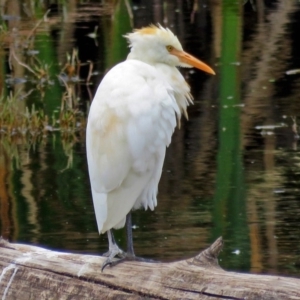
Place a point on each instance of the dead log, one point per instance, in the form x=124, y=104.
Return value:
x=29, y=272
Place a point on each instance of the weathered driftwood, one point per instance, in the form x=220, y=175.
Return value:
x=28, y=272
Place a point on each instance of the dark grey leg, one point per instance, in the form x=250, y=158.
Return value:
x=114, y=250
x=130, y=251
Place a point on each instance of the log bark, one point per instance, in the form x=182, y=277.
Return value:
x=29, y=272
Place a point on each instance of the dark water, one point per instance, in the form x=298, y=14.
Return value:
x=232, y=170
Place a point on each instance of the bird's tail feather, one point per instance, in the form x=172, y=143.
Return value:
x=100, y=207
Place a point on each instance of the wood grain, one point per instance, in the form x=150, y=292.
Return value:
x=29, y=272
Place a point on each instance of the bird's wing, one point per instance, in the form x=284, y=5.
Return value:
x=131, y=120
x=131, y=117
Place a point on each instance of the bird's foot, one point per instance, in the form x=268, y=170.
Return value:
x=111, y=254
x=126, y=257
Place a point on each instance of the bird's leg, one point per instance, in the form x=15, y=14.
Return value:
x=129, y=256
x=130, y=251
x=113, y=247
x=113, y=251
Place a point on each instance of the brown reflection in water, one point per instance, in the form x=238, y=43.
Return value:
x=255, y=237
x=274, y=179
x=5, y=205
x=30, y=181
x=13, y=10
x=267, y=58
x=262, y=210
x=216, y=8
x=9, y=221
x=67, y=29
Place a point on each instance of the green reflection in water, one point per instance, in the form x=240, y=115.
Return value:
x=229, y=215
x=55, y=210
x=47, y=56
x=115, y=44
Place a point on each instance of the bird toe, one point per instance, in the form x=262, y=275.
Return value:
x=111, y=254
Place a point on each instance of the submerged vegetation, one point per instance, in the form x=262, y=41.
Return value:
x=38, y=95
x=33, y=122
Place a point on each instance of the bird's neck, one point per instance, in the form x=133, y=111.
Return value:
x=174, y=79
x=181, y=89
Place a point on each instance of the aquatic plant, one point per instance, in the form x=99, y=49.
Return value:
x=33, y=122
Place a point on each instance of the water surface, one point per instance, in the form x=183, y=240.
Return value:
x=232, y=170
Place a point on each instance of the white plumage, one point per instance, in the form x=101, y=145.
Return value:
x=131, y=122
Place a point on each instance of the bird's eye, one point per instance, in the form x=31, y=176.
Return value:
x=169, y=48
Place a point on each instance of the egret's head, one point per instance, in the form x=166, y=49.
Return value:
x=155, y=44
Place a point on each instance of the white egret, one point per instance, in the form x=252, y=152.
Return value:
x=131, y=121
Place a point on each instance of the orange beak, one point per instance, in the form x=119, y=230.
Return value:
x=192, y=61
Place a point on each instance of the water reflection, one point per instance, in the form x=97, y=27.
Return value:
x=227, y=171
